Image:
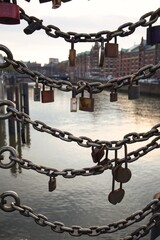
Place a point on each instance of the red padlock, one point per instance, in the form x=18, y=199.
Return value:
x=9, y=13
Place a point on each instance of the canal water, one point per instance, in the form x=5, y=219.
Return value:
x=81, y=200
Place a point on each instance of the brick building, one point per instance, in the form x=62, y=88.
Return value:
x=128, y=61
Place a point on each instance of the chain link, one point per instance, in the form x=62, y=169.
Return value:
x=83, y=141
x=59, y=227
x=102, y=166
x=55, y=32
x=66, y=86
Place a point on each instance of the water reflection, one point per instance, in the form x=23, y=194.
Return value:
x=81, y=200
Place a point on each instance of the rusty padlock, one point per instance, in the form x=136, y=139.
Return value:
x=52, y=184
x=153, y=35
x=86, y=103
x=56, y=4
x=9, y=13
x=47, y=95
x=72, y=55
x=133, y=90
x=123, y=174
x=111, y=49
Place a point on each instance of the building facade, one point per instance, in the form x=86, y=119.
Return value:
x=128, y=61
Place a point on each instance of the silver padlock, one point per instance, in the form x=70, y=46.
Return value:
x=73, y=101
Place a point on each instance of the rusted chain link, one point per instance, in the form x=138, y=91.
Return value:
x=124, y=30
x=66, y=86
x=59, y=227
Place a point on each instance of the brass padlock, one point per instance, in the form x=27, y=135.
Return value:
x=85, y=103
x=153, y=35
x=37, y=92
x=111, y=49
x=72, y=55
x=113, y=96
x=47, y=95
x=56, y=4
x=133, y=91
x=9, y=13
x=73, y=101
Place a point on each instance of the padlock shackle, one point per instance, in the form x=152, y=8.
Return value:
x=101, y=54
x=74, y=92
x=89, y=89
x=125, y=155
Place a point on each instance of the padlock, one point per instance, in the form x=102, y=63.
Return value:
x=86, y=104
x=111, y=49
x=37, y=92
x=123, y=174
x=133, y=91
x=116, y=195
x=56, y=4
x=9, y=13
x=43, y=1
x=101, y=54
x=52, y=184
x=32, y=27
x=72, y=55
x=73, y=101
x=97, y=153
x=153, y=35
x=47, y=95
x=113, y=96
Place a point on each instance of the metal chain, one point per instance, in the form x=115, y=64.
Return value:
x=59, y=227
x=51, y=172
x=82, y=141
x=102, y=166
x=66, y=86
x=122, y=31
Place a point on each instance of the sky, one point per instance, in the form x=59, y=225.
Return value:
x=80, y=16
